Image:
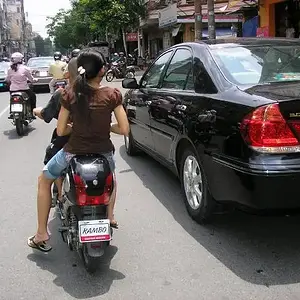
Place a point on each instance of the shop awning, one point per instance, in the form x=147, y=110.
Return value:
x=220, y=32
x=234, y=6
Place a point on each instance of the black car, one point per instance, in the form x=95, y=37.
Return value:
x=225, y=117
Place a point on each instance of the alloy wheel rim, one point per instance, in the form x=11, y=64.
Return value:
x=126, y=139
x=192, y=181
x=130, y=75
x=109, y=76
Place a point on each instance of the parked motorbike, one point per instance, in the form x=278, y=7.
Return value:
x=115, y=72
x=87, y=188
x=60, y=84
x=20, y=111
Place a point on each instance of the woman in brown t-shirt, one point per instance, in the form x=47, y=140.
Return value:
x=91, y=106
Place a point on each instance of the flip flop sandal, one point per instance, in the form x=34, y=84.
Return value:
x=41, y=246
x=114, y=225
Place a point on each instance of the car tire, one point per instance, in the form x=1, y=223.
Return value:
x=198, y=200
x=130, y=145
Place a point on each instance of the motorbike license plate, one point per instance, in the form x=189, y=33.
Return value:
x=60, y=83
x=43, y=73
x=94, y=231
x=16, y=108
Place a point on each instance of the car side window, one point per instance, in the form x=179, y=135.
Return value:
x=203, y=82
x=152, y=77
x=179, y=75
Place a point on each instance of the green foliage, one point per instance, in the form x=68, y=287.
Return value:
x=43, y=47
x=92, y=19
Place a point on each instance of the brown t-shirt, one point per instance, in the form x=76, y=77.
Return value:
x=92, y=135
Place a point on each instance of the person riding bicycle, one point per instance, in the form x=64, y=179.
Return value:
x=18, y=76
x=57, y=69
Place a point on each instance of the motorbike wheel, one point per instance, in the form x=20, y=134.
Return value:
x=91, y=264
x=129, y=74
x=19, y=127
x=109, y=76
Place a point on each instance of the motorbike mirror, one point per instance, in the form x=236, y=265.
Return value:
x=130, y=83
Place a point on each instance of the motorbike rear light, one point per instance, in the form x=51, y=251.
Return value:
x=16, y=99
x=265, y=130
x=85, y=200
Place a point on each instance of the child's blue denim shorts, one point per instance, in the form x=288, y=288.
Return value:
x=60, y=161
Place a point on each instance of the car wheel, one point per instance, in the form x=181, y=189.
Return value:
x=130, y=145
x=198, y=200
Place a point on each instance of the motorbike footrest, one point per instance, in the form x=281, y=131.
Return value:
x=63, y=229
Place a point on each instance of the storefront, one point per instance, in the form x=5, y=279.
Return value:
x=224, y=27
x=280, y=18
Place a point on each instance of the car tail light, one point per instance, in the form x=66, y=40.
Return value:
x=84, y=200
x=265, y=130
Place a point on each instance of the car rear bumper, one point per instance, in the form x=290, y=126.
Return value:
x=257, y=186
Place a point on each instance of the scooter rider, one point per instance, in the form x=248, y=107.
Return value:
x=122, y=61
x=75, y=53
x=51, y=111
x=57, y=69
x=18, y=76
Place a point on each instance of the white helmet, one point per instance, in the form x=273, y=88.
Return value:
x=17, y=57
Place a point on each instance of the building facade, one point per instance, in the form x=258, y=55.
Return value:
x=279, y=18
x=17, y=25
x=170, y=22
x=4, y=29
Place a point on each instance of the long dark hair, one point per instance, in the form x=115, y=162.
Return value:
x=90, y=62
x=14, y=66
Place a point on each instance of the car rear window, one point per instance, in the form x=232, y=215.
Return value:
x=246, y=65
x=39, y=63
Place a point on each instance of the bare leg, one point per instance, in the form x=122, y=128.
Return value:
x=59, y=182
x=43, y=208
x=111, y=205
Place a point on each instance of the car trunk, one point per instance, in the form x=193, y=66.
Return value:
x=287, y=94
x=42, y=72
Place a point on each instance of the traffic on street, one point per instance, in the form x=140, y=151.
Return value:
x=158, y=252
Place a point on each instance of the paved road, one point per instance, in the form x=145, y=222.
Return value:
x=158, y=253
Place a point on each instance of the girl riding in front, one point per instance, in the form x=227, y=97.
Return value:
x=91, y=106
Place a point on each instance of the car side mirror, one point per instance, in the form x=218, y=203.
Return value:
x=130, y=83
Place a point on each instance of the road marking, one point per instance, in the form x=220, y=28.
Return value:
x=4, y=111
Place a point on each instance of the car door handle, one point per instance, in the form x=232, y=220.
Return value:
x=209, y=116
x=181, y=107
x=172, y=100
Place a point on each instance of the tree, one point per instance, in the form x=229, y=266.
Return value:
x=39, y=45
x=94, y=19
x=48, y=48
x=43, y=47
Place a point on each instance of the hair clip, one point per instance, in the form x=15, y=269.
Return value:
x=81, y=70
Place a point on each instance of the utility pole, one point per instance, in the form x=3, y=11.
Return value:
x=211, y=19
x=198, y=20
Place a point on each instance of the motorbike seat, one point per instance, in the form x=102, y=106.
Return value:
x=94, y=169
x=20, y=94
x=88, y=166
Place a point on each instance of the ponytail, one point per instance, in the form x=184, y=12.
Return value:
x=83, y=93
x=14, y=66
x=90, y=63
